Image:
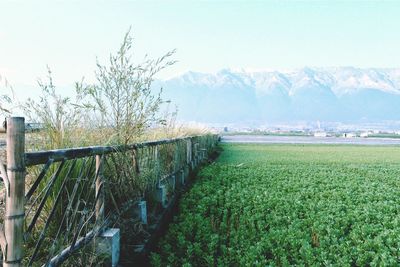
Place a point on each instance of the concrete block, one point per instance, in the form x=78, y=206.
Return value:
x=161, y=195
x=172, y=182
x=141, y=211
x=203, y=153
x=187, y=172
x=183, y=178
x=109, y=243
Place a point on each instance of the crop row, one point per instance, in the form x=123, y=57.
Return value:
x=290, y=205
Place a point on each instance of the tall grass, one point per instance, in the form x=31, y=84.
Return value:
x=119, y=109
x=6, y=96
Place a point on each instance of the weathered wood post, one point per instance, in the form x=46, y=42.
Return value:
x=99, y=189
x=15, y=194
x=161, y=189
x=182, y=180
x=188, y=157
x=195, y=152
x=175, y=165
x=176, y=157
x=157, y=164
x=108, y=242
x=189, y=153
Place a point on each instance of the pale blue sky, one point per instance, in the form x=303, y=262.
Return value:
x=208, y=35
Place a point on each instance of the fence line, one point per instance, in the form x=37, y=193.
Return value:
x=74, y=194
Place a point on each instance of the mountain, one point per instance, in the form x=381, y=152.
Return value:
x=342, y=94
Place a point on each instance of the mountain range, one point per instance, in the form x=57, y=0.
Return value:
x=337, y=94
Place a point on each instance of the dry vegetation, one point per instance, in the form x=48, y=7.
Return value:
x=120, y=108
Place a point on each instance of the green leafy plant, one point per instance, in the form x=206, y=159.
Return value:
x=289, y=205
x=122, y=98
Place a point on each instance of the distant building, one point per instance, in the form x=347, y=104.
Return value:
x=33, y=126
x=364, y=134
x=349, y=135
x=225, y=129
x=320, y=134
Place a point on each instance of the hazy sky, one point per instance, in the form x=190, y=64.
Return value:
x=208, y=35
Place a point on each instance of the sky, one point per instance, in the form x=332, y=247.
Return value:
x=69, y=36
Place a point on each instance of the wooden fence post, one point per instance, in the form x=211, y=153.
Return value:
x=15, y=193
x=157, y=164
x=189, y=152
x=176, y=162
x=99, y=189
x=108, y=242
x=195, y=152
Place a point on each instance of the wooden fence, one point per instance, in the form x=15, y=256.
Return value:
x=58, y=201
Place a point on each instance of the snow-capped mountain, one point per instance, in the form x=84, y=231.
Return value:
x=343, y=94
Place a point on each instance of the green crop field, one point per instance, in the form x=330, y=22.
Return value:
x=281, y=205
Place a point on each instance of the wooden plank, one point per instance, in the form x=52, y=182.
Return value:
x=41, y=157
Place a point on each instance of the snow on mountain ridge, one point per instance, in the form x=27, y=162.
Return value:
x=341, y=80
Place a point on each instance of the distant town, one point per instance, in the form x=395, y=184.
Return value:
x=377, y=130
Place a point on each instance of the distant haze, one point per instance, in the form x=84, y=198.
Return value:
x=343, y=94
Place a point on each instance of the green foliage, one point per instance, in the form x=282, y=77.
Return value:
x=281, y=205
x=117, y=109
x=120, y=107
x=122, y=98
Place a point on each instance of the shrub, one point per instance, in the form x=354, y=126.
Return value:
x=122, y=99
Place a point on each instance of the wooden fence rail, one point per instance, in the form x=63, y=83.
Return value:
x=72, y=195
